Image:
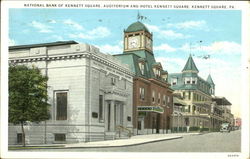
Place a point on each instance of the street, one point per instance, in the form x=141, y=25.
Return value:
x=209, y=142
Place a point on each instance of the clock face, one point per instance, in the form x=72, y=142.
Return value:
x=133, y=42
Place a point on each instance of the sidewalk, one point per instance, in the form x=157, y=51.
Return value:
x=134, y=140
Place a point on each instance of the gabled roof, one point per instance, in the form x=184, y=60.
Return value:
x=190, y=66
x=210, y=80
x=137, y=26
x=42, y=45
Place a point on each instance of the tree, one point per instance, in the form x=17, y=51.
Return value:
x=27, y=96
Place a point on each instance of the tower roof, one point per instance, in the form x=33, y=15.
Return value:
x=137, y=26
x=210, y=80
x=190, y=66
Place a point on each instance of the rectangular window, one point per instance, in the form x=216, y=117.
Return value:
x=100, y=107
x=60, y=137
x=113, y=80
x=141, y=65
x=174, y=81
x=142, y=93
x=61, y=105
x=164, y=100
x=168, y=99
x=19, y=138
x=153, y=96
x=159, y=98
x=189, y=95
x=188, y=108
x=187, y=80
x=184, y=95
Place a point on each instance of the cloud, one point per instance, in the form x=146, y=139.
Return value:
x=41, y=27
x=224, y=47
x=165, y=48
x=218, y=47
x=111, y=49
x=200, y=25
x=172, y=65
x=99, y=32
x=12, y=42
x=56, y=38
x=170, y=34
x=73, y=24
x=165, y=33
x=153, y=28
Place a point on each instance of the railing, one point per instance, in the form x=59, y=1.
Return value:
x=121, y=129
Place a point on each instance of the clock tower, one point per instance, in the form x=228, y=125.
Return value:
x=137, y=37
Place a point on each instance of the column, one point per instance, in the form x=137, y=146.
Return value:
x=112, y=116
x=106, y=118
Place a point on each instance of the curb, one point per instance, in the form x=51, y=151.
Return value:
x=123, y=145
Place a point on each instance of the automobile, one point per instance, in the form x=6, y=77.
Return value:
x=225, y=127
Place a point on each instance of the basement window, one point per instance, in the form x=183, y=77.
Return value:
x=60, y=137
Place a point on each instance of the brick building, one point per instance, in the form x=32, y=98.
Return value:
x=153, y=100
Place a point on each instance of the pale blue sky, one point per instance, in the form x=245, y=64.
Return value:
x=173, y=31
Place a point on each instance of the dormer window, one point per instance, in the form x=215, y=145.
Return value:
x=174, y=81
x=157, y=72
x=142, y=66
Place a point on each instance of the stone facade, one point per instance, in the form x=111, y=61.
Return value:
x=96, y=87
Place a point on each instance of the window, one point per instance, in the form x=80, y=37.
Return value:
x=19, y=138
x=159, y=98
x=142, y=93
x=174, y=81
x=61, y=105
x=189, y=95
x=153, y=96
x=60, y=137
x=164, y=99
x=168, y=99
x=113, y=80
x=157, y=72
x=194, y=80
x=184, y=95
x=188, y=108
x=141, y=66
x=100, y=107
x=187, y=80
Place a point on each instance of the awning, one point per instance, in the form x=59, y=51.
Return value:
x=156, y=109
x=178, y=101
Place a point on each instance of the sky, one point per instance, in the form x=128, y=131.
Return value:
x=176, y=35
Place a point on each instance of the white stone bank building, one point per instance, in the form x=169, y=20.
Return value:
x=90, y=94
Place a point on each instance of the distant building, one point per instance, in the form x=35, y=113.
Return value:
x=238, y=122
x=90, y=93
x=196, y=93
x=225, y=106
x=153, y=100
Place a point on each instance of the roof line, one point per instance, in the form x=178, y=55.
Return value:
x=42, y=45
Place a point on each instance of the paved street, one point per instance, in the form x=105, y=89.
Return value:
x=210, y=142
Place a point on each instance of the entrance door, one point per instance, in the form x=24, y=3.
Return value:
x=158, y=122
x=140, y=126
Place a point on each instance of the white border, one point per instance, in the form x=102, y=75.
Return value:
x=243, y=6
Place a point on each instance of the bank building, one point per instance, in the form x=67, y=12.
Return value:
x=90, y=93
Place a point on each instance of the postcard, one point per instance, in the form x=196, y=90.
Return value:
x=125, y=79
